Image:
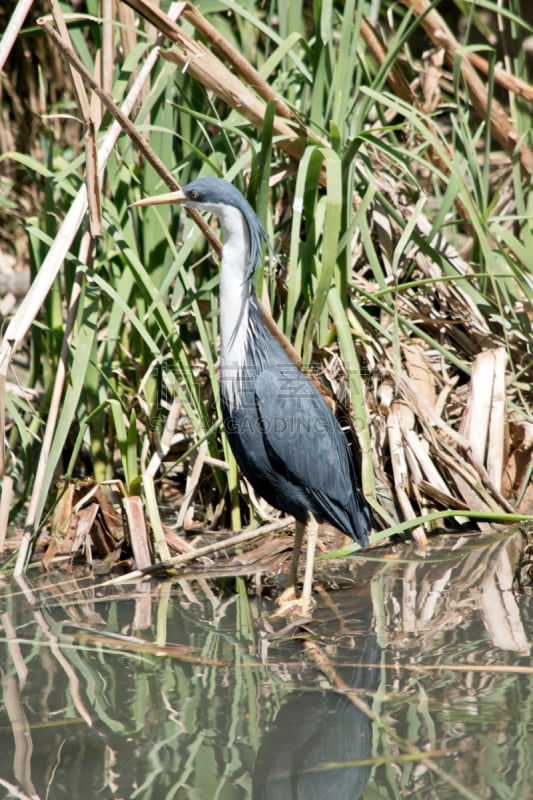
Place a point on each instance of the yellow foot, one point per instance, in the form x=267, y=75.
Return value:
x=293, y=607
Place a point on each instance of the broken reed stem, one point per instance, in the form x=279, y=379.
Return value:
x=200, y=552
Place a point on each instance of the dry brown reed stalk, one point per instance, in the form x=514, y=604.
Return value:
x=91, y=129
x=212, y=73
x=441, y=35
x=502, y=77
x=243, y=68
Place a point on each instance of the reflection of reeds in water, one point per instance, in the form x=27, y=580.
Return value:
x=185, y=679
x=471, y=578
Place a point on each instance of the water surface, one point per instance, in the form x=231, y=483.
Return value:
x=414, y=679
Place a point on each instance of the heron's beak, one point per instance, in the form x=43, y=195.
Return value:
x=159, y=199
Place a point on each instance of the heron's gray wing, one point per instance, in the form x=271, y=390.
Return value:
x=302, y=436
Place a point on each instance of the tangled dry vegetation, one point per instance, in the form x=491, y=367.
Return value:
x=419, y=326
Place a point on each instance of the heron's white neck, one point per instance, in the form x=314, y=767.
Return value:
x=234, y=288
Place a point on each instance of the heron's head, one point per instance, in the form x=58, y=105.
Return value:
x=221, y=198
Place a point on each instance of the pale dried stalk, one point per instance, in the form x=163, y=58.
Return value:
x=445, y=499
x=5, y=506
x=420, y=372
x=484, y=422
x=400, y=473
x=496, y=445
x=137, y=532
x=12, y=30
x=193, y=479
x=475, y=423
x=167, y=436
x=91, y=126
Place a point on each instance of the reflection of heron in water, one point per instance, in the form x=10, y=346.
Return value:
x=313, y=736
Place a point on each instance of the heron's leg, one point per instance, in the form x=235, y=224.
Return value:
x=288, y=603
x=312, y=535
x=298, y=538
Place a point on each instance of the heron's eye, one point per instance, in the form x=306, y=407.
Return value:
x=194, y=194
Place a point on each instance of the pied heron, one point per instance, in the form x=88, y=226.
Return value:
x=285, y=438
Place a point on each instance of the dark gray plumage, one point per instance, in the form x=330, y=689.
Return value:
x=285, y=438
